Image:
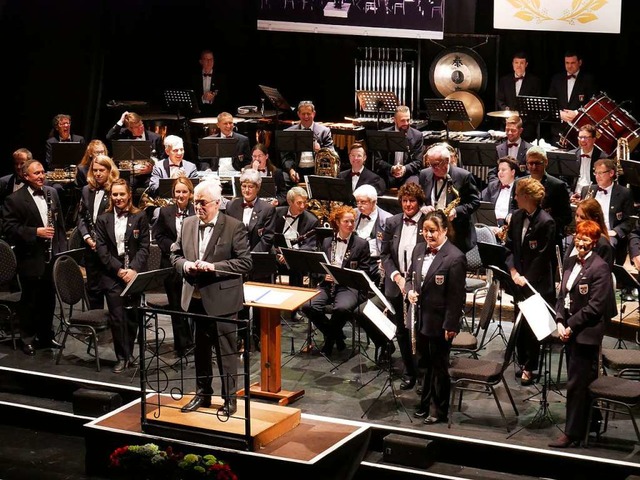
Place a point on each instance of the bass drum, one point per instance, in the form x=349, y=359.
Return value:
x=611, y=122
x=475, y=110
x=163, y=124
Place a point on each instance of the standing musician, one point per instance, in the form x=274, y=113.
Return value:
x=166, y=230
x=401, y=235
x=453, y=190
x=435, y=286
x=582, y=311
x=346, y=250
x=296, y=165
x=396, y=168
x=212, y=255
x=616, y=201
x=94, y=148
x=34, y=225
x=260, y=161
x=359, y=174
x=94, y=201
x=14, y=181
x=122, y=243
x=530, y=247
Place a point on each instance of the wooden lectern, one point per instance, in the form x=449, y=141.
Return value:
x=271, y=299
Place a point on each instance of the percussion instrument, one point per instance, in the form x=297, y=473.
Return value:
x=163, y=123
x=344, y=134
x=611, y=122
x=475, y=109
x=206, y=126
x=503, y=113
x=458, y=68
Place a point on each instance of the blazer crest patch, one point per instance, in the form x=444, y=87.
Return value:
x=583, y=288
x=619, y=215
x=533, y=244
x=439, y=279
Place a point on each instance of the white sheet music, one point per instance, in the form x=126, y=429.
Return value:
x=265, y=295
x=538, y=316
x=380, y=320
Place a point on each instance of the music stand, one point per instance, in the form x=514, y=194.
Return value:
x=267, y=187
x=562, y=164
x=265, y=264
x=294, y=140
x=277, y=100
x=128, y=150
x=329, y=188
x=386, y=141
x=631, y=169
x=181, y=101
x=624, y=280
x=486, y=214
x=165, y=186
x=66, y=154
x=476, y=153
x=76, y=253
x=445, y=110
x=372, y=101
x=217, y=147
x=538, y=109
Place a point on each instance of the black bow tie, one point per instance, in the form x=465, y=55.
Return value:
x=262, y=170
x=408, y=221
x=581, y=261
x=291, y=216
x=511, y=145
x=17, y=181
x=205, y=225
x=247, y=204
x=437, y=178
x=364, y=217
x=504, y=186
x=355, y=174
x=518, y=78
x=603, y=190
x=431, y=251
x=180, y=214
x=38, y=192
x=121, y=214
x=174, y=165
x=341, y=240
x=569, y=77
x=206, y=74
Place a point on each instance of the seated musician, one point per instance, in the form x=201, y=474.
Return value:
x=228, y=165
x=359, y=174
x=297, y=225
x=515, y=146
x=617, y=201
x=587, y=154
x=396, y=168
x=173, y=166
x=296, y=165
x=346, y=250
x=501, y=192
x=61, y=132
x=14, y=181
x=260, y=161
x=453, y=190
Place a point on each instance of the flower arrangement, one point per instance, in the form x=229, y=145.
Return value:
x=149, y=461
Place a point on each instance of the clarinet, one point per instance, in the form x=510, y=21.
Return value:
x=414, y=323
x=50, y=223
x=126, y=256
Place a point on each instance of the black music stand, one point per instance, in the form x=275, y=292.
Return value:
x=563, y=164
x=215, y=148
x=372, y=101
x=183, y=102
x=626, y=281
x=446, y=110
x=76, y=253
x=386, y=141
x=631, y=169
x=477, y=153
x=265, y=264
x=267, y=187
x=66, y=154
x=165, y=186
x=486, y=214
x=128, y=150
x=538, y=109
x=276, y=99
x=329, y=188
x=294, y=140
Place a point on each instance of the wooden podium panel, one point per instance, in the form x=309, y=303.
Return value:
x=271, y=299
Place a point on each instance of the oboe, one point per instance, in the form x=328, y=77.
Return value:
x=49, y=224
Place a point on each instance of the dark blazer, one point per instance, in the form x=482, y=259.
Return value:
x=533, y=256
x=221, y=103
x=163, y=170
x=118, y=132
x=164, y=231
x=377, y=231
x=306, y=221
x=502, y=151
x=492, y=191
x=281, y=186
x=81, y=175
x=56, y=139
x=442, y=293
x=228, y=249
x=85, y=222
x=321, y=134
x=603, y=249
x=21, y=219
x=242, y=157
x=261, y=226
x=6, y=186
x=366, y=177
x=412, y=159
x=506, y=98
x=136, y=238
x=621, y=208
x=389, y=253
x=591, y=299
x=357, y=255
x=464, y=183
x=583, y=90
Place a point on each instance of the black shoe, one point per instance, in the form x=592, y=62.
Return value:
x=420, y=413
x=407, y=382
x=563, y=441
x=431, y=420
x=119, y=367
x=340, y=345
x=198, y=400
x=133, y=361
x=28, y=349
x=327, y=348
x=229, y=408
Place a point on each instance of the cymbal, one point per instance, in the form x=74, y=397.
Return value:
x=474, y=107
x=503, y=113
x=458, y=68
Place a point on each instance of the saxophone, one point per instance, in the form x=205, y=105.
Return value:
x=456, y=201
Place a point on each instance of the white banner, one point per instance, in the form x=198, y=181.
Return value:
x=595, y=16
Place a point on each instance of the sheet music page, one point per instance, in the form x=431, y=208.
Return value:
x=380, y=320
x=538, y=316
x=265, y=295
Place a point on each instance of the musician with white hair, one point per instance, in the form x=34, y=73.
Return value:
x=173, y=166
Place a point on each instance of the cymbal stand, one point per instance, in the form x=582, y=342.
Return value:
x=388, y=384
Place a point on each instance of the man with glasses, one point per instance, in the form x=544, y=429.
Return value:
x=616, y=202
x=359, y=175
x=212, y=254
x=61, y=132
x=587, y=154
x=453, y=190
x=556, y=196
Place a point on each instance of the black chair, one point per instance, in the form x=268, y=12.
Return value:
x=75, y=239
x=472, y=342
x=10, y=293
x=81, y=323
x=482, y=376
x=478, y=277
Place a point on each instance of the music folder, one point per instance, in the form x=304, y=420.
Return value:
x=562, y=164
x=486, y=214
x=216, y=147
x=131, y=150
x=294, y=140
x=329, y=188
x=267, y=187
x=145, y=281
x=65, y=154
x=304, y=261
x=387, y=141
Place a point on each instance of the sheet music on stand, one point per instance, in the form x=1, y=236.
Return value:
x=538, y=109
x=181, y=101
x=377, y=101
x=445, y=110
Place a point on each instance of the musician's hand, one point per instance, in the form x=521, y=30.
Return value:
x=400, y=282
x=452, y=214
x=329, y=278
x=123, y=117
x=412, y=296
x=280, y=258
x=295, y=178
x=190, y=268
x=398, y=171
x=449, y=335
x=45, y=232
x=519, y=279
x=144, y=169
x=427, y=209
x=316, y=146
x=568, y=115
x=636, y=262
x=129, y=275
x=91, y=242
x=274, y=202
x=575, y=198
x=255, y=164
x=203, y=266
